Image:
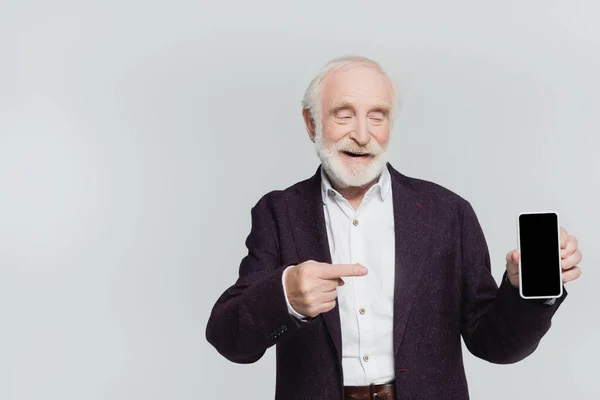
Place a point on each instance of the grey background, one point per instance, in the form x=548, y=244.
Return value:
x=136, y=136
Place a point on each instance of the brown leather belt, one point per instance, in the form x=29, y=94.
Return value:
x=385, y=391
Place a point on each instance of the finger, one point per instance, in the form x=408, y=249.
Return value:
x=327, y=297
x=571, y=275
x=564, y=237
x=327, y=306
x=341, y=282
x=335, y=271
x=513, y=257
x=571, y=261
x=328, y=286
x=314, y=303
x=570, y=247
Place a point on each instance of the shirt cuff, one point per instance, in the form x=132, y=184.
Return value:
x=289, y=307
x=549, y=302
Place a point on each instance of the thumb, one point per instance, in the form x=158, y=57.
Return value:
x=512, y=257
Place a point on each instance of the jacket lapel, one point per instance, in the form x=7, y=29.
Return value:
x=307, y=219
x=413, y=225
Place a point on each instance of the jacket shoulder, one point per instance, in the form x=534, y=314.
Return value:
x=435, y=191
x=277, y=197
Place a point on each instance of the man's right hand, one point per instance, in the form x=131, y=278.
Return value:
x=312, y=286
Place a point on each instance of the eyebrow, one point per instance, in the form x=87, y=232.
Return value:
x=345, y=105
x=338, y=106
x=384, y=108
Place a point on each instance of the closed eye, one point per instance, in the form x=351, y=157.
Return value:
x=344, y=115
x=378, y=115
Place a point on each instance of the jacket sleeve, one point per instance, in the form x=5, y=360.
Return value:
x=252, y=315
x=497, y=325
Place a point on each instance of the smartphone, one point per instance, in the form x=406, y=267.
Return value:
x=540, y=272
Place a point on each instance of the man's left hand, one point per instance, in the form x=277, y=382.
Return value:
x=569, y=253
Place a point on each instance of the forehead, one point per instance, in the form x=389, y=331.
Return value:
x=358, y=85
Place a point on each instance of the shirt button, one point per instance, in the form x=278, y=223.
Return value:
x=366, y=357
x=355, y=222
x=361, y=310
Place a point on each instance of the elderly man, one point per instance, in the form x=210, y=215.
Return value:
x=365, y=279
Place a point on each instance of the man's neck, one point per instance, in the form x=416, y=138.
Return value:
x=354, y=194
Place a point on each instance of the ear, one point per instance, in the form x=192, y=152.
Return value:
x=310, y=124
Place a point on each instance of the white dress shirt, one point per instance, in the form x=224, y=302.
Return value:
x=366, y=303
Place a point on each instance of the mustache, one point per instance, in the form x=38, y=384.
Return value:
x=348, y=145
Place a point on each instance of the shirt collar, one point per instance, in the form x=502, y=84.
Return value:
x=383, y=185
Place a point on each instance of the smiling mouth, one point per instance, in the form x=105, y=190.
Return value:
x=356, y=155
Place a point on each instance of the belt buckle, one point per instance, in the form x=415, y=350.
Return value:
x=374, y=394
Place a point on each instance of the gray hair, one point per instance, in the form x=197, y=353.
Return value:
x=311, y=99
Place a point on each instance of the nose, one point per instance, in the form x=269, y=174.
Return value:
x=360, y=134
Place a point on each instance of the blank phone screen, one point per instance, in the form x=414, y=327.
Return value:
x=540, y=255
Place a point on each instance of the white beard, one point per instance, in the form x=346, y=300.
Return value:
x=348, y=172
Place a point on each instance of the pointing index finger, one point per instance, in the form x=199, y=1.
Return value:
x=335, y=271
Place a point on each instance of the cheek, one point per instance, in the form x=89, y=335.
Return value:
x=333, y=132
x=381, y=134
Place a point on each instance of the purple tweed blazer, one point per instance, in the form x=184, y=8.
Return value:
x=444, y=290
